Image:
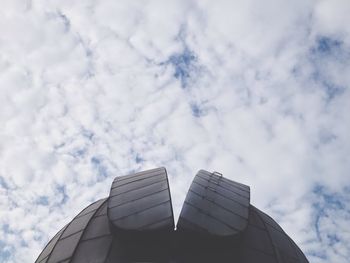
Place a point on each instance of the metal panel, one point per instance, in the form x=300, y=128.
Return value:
x=93, y=250
x=49, y=247
x=77, y=225
x=256, y=256
x=138, y=193
x=91, y=208
x=285, y=249
x=62, y=247
x=134, y=207
x=96, y=240
x=258, y=239
x=141, y=200
x=98, y=225
x=197, y=220
x=150, y=216
x=65, y=248
x=215, y=205
x=224, y=192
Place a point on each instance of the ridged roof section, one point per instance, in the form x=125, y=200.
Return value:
x=96, y=242
x=264, y=241
x=141, y=202
x=215, y=205
x=62, y=247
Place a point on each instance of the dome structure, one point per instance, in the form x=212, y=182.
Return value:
x=135, y=223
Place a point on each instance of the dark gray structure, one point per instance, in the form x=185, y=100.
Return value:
x=135, y=224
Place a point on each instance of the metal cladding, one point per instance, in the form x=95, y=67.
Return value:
x=135, y=224
x=66, y=242
x=215, y=205
x=141, y=201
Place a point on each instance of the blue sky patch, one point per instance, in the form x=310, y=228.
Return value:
x=99, y=167
x=138, y=158
x=196, y=111
x=5, y=252
x=326, y=45
x=324, y=51
x=62, y=190
x=325, y=205
x=329, y=199
x=43, y=200
x=185, y=66
x=333, y=90
x=3, y=183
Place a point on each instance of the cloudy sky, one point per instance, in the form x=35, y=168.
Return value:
x=257, y=90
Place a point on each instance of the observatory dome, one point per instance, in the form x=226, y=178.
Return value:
x=135, y=224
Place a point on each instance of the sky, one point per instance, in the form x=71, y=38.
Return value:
x=256, y=90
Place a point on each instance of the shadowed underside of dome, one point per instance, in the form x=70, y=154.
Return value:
x=135, y=224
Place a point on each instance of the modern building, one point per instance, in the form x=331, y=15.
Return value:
x=135, y=224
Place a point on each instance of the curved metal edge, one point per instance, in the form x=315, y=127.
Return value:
x=171, y=202
x=53, y=247
x=129, y=180
x=215, y=206
x=274, y=226
x=47, y=258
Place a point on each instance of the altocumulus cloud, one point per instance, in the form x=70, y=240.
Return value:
x=258, y=90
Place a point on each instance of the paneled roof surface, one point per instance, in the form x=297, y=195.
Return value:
x=135, y=224
x=215, y=205
x=141, y=201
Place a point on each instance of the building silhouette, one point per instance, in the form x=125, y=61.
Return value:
x=135, y=224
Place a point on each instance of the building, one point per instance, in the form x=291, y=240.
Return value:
x=135, y=224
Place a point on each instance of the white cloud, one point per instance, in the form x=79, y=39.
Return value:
x=90, y=90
